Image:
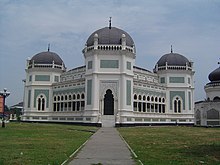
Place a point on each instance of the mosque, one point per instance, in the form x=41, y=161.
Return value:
x=207, y=112
x=109, y=90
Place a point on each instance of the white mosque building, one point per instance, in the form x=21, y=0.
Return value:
x=109, y=90
x=207, y=112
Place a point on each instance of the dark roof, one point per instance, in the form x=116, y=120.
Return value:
x=173, y=59
x=111, y=35
x=136, y=67
x=215, y=75
x=80, y=67
x=18, y=105
x=47, y=58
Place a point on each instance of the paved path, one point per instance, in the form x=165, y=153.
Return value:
x=105, y=147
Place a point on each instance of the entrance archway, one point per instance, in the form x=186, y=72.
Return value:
x=109, y=103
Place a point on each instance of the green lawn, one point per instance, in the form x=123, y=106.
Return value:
x=174, y=145
x=40, y=144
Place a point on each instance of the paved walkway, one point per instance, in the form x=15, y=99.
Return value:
x=105, y=147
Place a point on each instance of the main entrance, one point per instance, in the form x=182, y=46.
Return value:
x=109, y=103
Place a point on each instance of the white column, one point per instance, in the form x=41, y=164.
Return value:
x=95, y=92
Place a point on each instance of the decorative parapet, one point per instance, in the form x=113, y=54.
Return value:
x=212, y=84
x=173, y=67
x=109, y=48
x=53, y=65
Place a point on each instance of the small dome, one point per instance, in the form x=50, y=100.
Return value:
x=173, y=59
x=215, y=75
x=110, y=36
x=46, y=58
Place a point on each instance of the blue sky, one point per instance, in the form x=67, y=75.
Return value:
x=27, y=26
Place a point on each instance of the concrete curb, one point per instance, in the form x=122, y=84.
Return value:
x=132, y=151
x=75, y=152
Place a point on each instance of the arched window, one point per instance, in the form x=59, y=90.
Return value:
x=54, y=107
x=139, y=107
x=58, y=106
x=156, y=107
x=148, y=98
x=144, y=107
x=152, y=98
x=78, y=105
x=82, y=105
x=78, y=96
x=70, y=97
x=159, y=99
x=163, y=108
x=61, y=106
x=73, y=106
x=54, y=99
x=82, y=96
x=135, y=106
x=139, y=97
x=177, y=105
x=74, y=97
x=41, y=103
x=144, y=97
x=135, y=97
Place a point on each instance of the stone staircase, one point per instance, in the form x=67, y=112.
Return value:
x=108, y=121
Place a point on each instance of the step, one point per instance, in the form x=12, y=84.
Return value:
x=108, y=121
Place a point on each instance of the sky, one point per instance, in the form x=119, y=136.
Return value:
x=192, y=27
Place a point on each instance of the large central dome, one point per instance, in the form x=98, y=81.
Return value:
x=110, y=36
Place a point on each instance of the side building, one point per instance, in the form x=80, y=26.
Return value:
x=207, y=112
x=109, y=90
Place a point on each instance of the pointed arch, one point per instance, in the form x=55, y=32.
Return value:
x=177, y=104
x=108, y=103
x=41, y=102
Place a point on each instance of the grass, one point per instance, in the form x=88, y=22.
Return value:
x=174, y=145
x=44, y=144
x=40, y=144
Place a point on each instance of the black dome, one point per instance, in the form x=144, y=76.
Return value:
x=110, y=36
x=173, y=59
x=215, y=75
x=47, y=58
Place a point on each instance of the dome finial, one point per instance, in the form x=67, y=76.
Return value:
x=48, y=49
x=110, y=23
x=171, y=49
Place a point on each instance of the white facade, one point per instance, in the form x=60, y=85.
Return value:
x=110, y=90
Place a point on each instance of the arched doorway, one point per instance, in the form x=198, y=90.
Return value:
x=109, y=103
